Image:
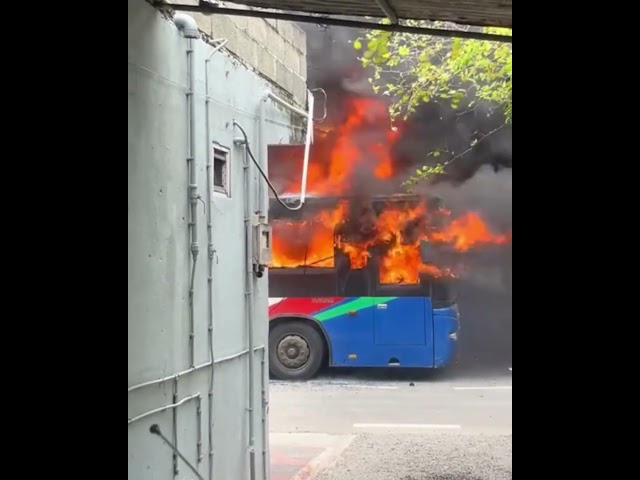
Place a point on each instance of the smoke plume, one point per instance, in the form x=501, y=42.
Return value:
x=485, y=287
x=476, y=180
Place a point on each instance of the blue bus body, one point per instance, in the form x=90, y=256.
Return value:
x=350, y=319
x=378, y=331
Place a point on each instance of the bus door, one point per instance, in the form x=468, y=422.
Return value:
x=402, y=316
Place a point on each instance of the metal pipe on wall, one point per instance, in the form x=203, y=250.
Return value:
x=210, y=250
x=176, y=469
x=263, y=152
x=265, y=410
x=189, y=28
x=307, y=144
x=263, y=209
x=191, y=370
x=307, y=147
x=249, y=308
x=162, y=409
x=167, y=378
x=199, y=430
x=193, y=197
x=286, y=105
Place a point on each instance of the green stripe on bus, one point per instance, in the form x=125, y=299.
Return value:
x=357, y=304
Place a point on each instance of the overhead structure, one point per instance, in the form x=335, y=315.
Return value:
x=349, y=13
x=485, y=13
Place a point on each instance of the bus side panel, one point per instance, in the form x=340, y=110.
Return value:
x=446, y=326
x=403, y=321
x=349, y=325
x=406, y=330
x=351, y=334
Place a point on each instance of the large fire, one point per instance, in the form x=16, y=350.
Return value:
x=362, y=144
x=363, y=141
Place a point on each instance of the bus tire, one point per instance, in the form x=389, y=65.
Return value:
x=296, y=350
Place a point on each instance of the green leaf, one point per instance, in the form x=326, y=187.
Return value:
x=415, y=70
x=455, y=47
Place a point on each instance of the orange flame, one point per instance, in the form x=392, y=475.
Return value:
x=341, y=150
x=468, y=231
x=394, y=235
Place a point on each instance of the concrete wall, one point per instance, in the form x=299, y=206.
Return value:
x=159, y=257
x=275, y=48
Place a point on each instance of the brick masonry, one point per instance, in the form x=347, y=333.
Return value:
x=275, y=48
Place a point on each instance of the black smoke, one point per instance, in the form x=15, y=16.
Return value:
x=485, y=284
x=452, y=132
x=478, y=180
x=333, y=65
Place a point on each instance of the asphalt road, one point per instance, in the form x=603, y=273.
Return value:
x=403, y=425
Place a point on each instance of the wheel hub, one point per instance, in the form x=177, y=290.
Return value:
x=293, y=351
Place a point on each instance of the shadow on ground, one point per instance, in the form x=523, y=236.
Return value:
x=413, y=374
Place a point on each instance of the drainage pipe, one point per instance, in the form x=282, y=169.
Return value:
x=189, y=28
x=210, y=251
x=193, y=199
x=265, y=421
x=249, y=297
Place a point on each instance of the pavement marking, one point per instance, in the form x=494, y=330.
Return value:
x=506, y=387
x=438, y=426
x=325, y=460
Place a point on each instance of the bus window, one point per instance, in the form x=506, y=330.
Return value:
x=302, y=243
x=300, y=282
x=443, y=292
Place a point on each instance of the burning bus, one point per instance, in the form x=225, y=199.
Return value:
x=360, y=275
x=351, y=283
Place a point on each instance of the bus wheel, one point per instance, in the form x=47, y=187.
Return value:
x=296, y=350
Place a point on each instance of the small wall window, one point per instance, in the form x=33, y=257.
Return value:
x=221, y=171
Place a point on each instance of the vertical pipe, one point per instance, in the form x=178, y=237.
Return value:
x=263, y=286
x=193, y=196
x=210, y=253
x=262, y=156
x=265, y=425
x=308, y=137
x=249, y=308
x=307, y=146
x=199, y=430
x=176, y=469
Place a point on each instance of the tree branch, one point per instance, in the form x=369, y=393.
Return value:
x=480, y=140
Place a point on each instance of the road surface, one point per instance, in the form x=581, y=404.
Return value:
x=397, y=425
